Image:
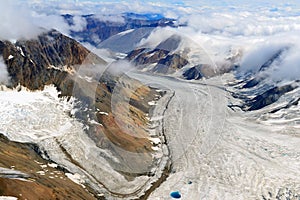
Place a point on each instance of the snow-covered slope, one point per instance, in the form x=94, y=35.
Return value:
x=126, y=41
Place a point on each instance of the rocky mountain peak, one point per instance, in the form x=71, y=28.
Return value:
x=49, y=59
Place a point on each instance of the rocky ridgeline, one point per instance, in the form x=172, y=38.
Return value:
x=103, y=29
x=163, y=57
x=49, y=59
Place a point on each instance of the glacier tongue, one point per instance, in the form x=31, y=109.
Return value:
x=221, y=154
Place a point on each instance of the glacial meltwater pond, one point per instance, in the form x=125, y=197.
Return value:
x=175, y=195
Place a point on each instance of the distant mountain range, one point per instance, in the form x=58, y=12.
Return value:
x=105, y=28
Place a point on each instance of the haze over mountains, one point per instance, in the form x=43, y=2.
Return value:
x=119, y=101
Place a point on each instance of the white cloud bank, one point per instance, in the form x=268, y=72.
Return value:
x=19, y=21
x=16, y=22
x=286, y=66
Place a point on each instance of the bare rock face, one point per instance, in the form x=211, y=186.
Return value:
x=170, y=64
x=144, y=57
x=269, y=97
x=193, y=73
x=49, y=59
x=165, y=61
x=170, y=44
x=163, y=56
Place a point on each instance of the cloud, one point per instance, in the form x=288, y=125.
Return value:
x=105, y=54
x=21, y=22
x=79, y=23
x=48, y=22
x=260, y=54
x=156, y=37
x=111, y=18
x=289, y=67
x=104, y=7
x=16, y=22
x=285, y=48
x=4, y=76
x=241, y=23
x=120, y=67
x=228, y=18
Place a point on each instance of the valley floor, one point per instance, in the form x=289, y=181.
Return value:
x=220, y=154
